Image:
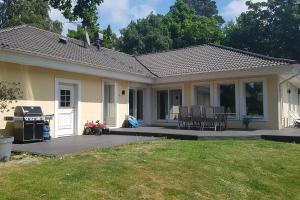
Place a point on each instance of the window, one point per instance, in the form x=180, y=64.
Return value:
x=109, y=105
x=254, y=99
x=168, y=103
x=136, y=98
x=227, y=97
x=202, y=95
x=65, y=98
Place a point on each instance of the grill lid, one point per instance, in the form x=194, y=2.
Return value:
x=28, y=111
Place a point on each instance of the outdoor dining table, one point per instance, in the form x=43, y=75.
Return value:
x=225, y=114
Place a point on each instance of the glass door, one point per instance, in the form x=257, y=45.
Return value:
x=109, y=105
x=168, y=103
x=162, y=104
x=136, y=103
x=175, y=103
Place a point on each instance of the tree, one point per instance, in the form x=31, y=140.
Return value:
x=186, y=28
x=271, y=27
x=180, y=27
x=9, y=93
x=85, y=10
x=145, y=36
x=79, y=33
x=32, y=12
x=206, y=8
x=109, y=38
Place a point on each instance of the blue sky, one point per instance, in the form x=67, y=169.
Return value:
x=119, y=13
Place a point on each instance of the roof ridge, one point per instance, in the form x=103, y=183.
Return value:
x=12, y=28
x=172, y=50
x=253, y=54
x=74, y=39
x=69, y=38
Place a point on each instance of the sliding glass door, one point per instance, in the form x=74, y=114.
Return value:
x=168, y=103
x=136, y=103
x=162, y=104
x=175, y=103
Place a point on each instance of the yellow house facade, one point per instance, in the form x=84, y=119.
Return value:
x=79, y=84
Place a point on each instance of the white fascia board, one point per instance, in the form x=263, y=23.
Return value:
x=229, y=74
x=44, y=62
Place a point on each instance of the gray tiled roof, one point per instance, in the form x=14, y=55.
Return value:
x=205, y=58
x=36, y=41
x=197, y=59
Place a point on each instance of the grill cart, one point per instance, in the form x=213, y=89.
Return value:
x=29, y=123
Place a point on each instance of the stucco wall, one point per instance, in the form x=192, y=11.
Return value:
x=38, y=85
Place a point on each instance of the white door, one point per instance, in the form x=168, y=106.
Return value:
x=66, y=110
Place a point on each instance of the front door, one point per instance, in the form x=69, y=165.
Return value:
x=66, y=110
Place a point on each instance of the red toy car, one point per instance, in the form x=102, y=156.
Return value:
x=97, y=128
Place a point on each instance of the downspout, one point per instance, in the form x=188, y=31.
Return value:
x=280, y=92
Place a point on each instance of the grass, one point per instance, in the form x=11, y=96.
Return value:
x=165, y=169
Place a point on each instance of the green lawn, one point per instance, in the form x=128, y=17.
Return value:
x=165, y=169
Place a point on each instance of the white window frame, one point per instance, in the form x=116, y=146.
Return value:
x=167, y=88
x=211, y=86
x=136, y=89
x=237, y=99
x=115, y=83
x=242, y=82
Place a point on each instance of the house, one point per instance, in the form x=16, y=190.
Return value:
x=79, y=83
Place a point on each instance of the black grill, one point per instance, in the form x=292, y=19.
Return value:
x=29, y=122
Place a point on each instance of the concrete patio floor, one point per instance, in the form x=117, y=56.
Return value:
x=75, y=144
x=122, y=136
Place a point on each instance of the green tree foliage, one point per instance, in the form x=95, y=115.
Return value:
x=271, y=27
x=109, y=38
x=186, y=28
x=10, y=92
x=145, y=35
x=85, y=10
x=206, y=8
x=79, y=33
x=32, y=12
x=180, y=27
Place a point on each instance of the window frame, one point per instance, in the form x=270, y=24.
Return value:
x=211, y=86
x=237, y=96
x=265, y=116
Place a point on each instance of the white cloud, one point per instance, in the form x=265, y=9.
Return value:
x=235, y=8
x=120, y=13
x=56, y=15
x=117, y=13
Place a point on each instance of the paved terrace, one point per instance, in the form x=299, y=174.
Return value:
x=75, y=144
x=287, y=135
x=122, y=136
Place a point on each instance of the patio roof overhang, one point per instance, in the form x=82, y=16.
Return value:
x=281, y=70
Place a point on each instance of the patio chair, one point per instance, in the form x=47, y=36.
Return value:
x=196, y=116
x=220, y=117
x=210, y=120
x=183, y=117
x=295, y=118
